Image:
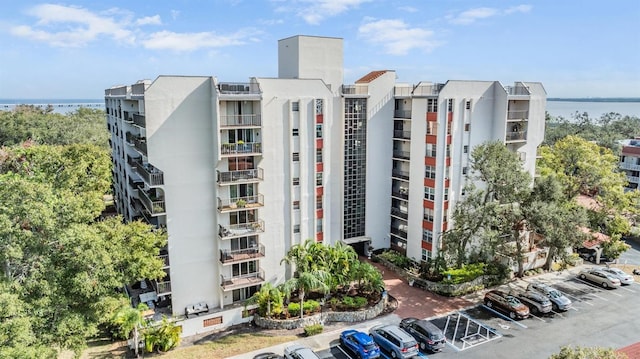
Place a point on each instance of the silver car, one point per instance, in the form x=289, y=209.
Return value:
x=559, y=301
x=297, y=351
x=625, y=279
x=600, y=277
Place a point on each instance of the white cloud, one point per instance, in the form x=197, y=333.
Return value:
x=271, y=22
x=470, y=16
x=168, y=40
x=408, y=8
x=315, y=11
x=149, y=20
x=66, y=26
x=396, y=36
x=175, y=14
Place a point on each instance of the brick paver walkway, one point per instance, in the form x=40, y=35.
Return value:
x=415, y=302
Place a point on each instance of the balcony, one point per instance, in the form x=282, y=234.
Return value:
x=405, y=135
x=132, y=161
x=163, y=288
x=516, y=136
x=241, y=230
x=630, y=166
x=517, y=115
x=402, y=193
x=400, y=174
x=242, y=176
x=396, y=212
x=150, y=174
x=518, y=90
x=139, y=120
x=404, y=155
x=232, y=149
x=361, y=90
x=240, y=203
x=152, y=201
x=402, y=113
x=252, y=120
x=229, y=256
x=241, y=281
x=399, y=233
x=165, y=260
x=139, y=143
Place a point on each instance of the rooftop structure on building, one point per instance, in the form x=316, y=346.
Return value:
x=238, y=173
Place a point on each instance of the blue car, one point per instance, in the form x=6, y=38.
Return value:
x=360, y=344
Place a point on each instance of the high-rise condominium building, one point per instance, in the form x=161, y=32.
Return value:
x=238, y=173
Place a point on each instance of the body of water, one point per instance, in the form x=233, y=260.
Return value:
x=595, y=109
x=62, y=106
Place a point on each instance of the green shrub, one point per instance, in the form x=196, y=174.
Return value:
x=396, y=259
x=293, y=309
x=313, y=329
x=311, y=306
x=354, y=302
x=464, y=274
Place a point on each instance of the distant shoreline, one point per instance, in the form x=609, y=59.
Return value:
x=595, y=99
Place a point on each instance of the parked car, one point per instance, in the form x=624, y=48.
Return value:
x=598, y=276
x=360, y=344
x=429, y=337
x=397, y=342
x=537, y=302
x=268, y=356
x=297, y=351
x=559, y=301
x=504, y=301
x=625, y=279
x=589, y=254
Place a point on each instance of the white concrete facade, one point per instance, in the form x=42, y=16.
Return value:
x=238, y=173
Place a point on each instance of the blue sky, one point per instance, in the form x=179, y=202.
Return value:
x=76, y=49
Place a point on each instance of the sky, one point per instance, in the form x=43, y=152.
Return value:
x=77, y=48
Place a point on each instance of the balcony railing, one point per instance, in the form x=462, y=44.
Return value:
x=232, y=88
x=242, y=176
x=402, y=113
x=155, y=206
x=400, y=194
x=629, y=166
x=241, y=230
x=398, y=232
x=405, y=155
x=241, y=148
x=228, y=204
x=163, y=287
x=400, y=174
x=517, y=90
x=165, y=259
x=149, y=173
x=240, y=120
x=402, y=134
x=140, y=144
x=355, y=90
x=516, y=136
x=139, y=120
x=241, y=281
x=518, y=115
x=238, y=255
x=398, y=213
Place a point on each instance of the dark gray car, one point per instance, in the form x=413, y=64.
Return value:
x=429, y=337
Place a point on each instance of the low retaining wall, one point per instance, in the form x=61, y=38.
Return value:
x=324, y=317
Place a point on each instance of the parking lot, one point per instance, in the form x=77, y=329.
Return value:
x=598, y=317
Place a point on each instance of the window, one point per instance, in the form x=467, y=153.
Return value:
x=450, y=105
x=244, y=293
x=296, y=204
x=468, y=105
x=296, y=228
x=319, y=179
x=447, y=170
x=444, y=216
x=446, y=194
x=467, y=127
x=448, y=151
x=295, y=132
x=429, y=193
x=296, y=157
x=465, y=170
x=318, y=155
x=431, y=150
x=318, y=225
x=432, y=128
x=318, y=202
x=428, y=214
x=296, y=181
x=295, y=106
x=426, y=254
x=430, y=172
x=465, y=149
x=427, y=236
x=432, y=105
x=319, y=130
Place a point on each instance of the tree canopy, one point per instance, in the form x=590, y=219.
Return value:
x=60, y=263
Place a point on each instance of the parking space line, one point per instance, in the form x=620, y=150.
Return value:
x=584, y=291
x=505, y=317
x=628, y=289
x=535, y=316
x=600, y=289
x=343, y=351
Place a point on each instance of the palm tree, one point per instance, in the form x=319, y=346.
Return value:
x=340, y=260
x=368, y=277
x=306, y=282
x=130, y=320
x=266, y=295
